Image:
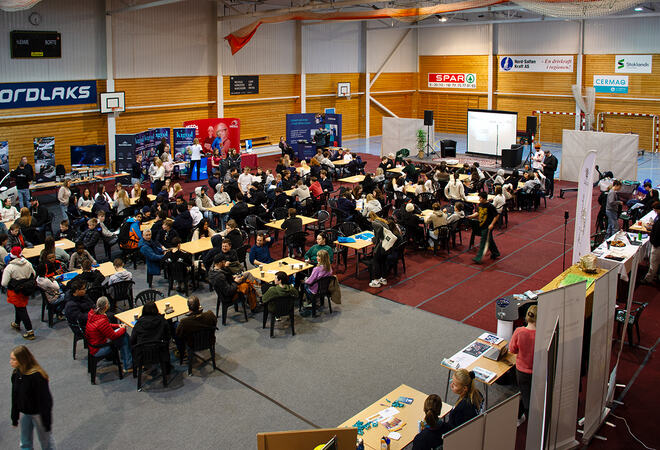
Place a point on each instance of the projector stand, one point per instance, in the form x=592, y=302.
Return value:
x=428, y=147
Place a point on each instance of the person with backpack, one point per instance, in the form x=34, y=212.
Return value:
x=19, y=279
x=129, y=233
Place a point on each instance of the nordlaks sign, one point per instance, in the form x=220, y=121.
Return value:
x=31, y=95
x=633, y=64
x=536, y=63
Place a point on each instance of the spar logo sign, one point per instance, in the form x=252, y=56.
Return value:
x=453, y=80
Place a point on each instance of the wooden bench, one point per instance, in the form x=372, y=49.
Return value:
x=257, y=141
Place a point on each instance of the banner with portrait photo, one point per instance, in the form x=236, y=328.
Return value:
x=222, y=134
x=44, y=159
x=303, y=127
x=4, y=156
x=182, y=138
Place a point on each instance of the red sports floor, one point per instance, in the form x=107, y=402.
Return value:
x=531, y=248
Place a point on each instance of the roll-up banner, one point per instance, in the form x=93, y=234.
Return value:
x=582, y=232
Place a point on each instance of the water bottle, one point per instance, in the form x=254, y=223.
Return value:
x=384, y=443
x=360, y=444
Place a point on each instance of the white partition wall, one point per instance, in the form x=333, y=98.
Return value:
x=401, y=133
x=615, y=152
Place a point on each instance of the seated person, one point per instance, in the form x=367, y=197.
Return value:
x=220, y=282
x=436, y=219
x=80, y=255
x=240, y=210
x=233, y=234
x=292, y=224
x=16, y=238
x=386, y=163
x=326, y=183
x=260, y=251
x=52, y=289
x=322, y=269
x=432, y=428
x=153, y=253
x=120, y=274
x=455, y=190
x=281, y=200
x=196, y=320
x=92, y=277
x=530, y=184
x=183, y=222
x=66, y=232
x=151, y=327
x=469, y=402
x=411, y=223
x=168, y=234
x=282, y=288
x=499, y=200
x=371, y=204
x=77, y=303
x=458, y=213
x=203, y=230
x=321, y=244
x=346, y=205
x=301, y=192
x=8, y=213
x=91, y=236
x=100, y=331
x=51, y=267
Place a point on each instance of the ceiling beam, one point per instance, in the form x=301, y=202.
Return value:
x=143, y=6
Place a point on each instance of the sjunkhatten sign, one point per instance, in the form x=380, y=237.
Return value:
x=611, y=83
x=52, y=93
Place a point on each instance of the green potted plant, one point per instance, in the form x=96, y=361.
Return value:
x=421, y=143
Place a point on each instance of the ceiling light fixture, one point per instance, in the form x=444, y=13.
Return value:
x=443, y=19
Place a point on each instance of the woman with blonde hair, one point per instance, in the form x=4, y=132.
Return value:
x=177, y=191
x=522, y=344
x=159, y=176
x=136, y=191
x=63, y=196
x=323, y=269
x=371, y=205
x=122, y=202
x=432, y=429
x=469, y=400
x=31, y=401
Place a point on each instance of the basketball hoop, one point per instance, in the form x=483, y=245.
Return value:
x=115, y=111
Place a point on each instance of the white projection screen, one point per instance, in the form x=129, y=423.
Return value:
x=490, y=131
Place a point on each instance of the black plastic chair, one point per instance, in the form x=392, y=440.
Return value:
x=283, y=306
x=47, y=306
x=425, y=200
x=441, y=239
x=322, y=293
x=122, y=291
x=226, y=303
x=241, y=253
x=348, y=228
x=633, y=321
x=401, y=257
x=252, y=226
x=203, y=339
x=322, y=218
x=177, y=273
x=78, y=335
x=146, y=354
x=147, y=296
x=296, y=241
x=92, y=361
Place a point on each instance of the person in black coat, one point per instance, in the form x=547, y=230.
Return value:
x=292, y=224
x=240, y=210
x=219, y=280
x=550, y=164
x=151, y=327
x=183, y=221
x=77, y=302
x=168, y=234
x=92, y=277
x=469, y=402
x=30, y=395
x=91, y=236
x=430, y=437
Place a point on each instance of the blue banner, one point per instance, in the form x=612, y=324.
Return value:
x=303, y=127
x=182, y=138
x=160, y=133
x=56, y=93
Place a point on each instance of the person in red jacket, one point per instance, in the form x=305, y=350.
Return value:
x=17, y=274
x=522, y=344
x=100, y=331
x=315, y=188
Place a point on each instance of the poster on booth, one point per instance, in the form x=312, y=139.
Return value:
x=221, y=134
x=124, y=151
x=303, y=127
x=182, y=138
x=453, y=80
x=4, y=156
x=159, y=135
x=44, y=159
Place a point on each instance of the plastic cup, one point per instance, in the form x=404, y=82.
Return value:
x=135, y=316
x=167, y=305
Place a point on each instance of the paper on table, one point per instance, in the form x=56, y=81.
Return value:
x=395, y=436
x=59, y=244
x=272, y=271
x=383, y=415
x=491, y=338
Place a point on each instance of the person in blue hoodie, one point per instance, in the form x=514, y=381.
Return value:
x=153, y=253
x=132, y=239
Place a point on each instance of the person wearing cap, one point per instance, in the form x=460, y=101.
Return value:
x=411, y=223
x=549, y=164
x=537, y=158
x=17, y=271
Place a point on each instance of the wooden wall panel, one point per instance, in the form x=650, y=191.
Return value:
x=403, y=105
x=263, y=118
x=285, y=85
x=551, y=126
x=70, y=129
x=640, y=85
x=625, y=124
x=454, y=64
x=352, y=110
x=326, y=83
x=450, y=110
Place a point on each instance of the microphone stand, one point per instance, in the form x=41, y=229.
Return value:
x=563, y=259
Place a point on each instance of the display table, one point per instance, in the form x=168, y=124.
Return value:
x=632, y=246
x=575, y=270
x=638, y=227
x=409, y=416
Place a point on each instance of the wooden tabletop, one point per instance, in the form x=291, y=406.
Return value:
x=198, y=246
x=147, y=225
x=396, y=169
x=178, y=303
x=277, y=224
x=105, y=268
x=224, y=209
x=359, y=244
x=474, y=198
x=353, y=179
x=574, y=269
x=498, y=367
x=134, y=200
x=87, y=209
x=287, y=265
x=409, y=415
x=340, y=162
x=638, y=227
x=289, y=192
x=35, y=251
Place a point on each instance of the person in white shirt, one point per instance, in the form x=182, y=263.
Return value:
x=63, y=196
x=159, y=176
x=203, y=202
x=301, y=191
x=455, y=191
x=195, y=158
x=499, y=178
x=325, y=160
x=9, y=212
x=499, y=200
x=195, y=213
x=371, y=205
x=537, y=158
x=85, y=200
x=245, y=180
x=348, y=156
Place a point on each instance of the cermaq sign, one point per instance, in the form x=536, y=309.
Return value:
x=31, y=95
x=453, y=80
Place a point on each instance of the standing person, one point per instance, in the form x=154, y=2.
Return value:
x=654, y=238
x=23, y=174
x=195, y=158
x=14, y=277
x=550, y=164
x=522, y=344
x=63, y=196
x=136, y=170
x=487, y=216
x=31, y=401
x=430, y=436
x=537, y=158
x=612, y=208
x=159, y=176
